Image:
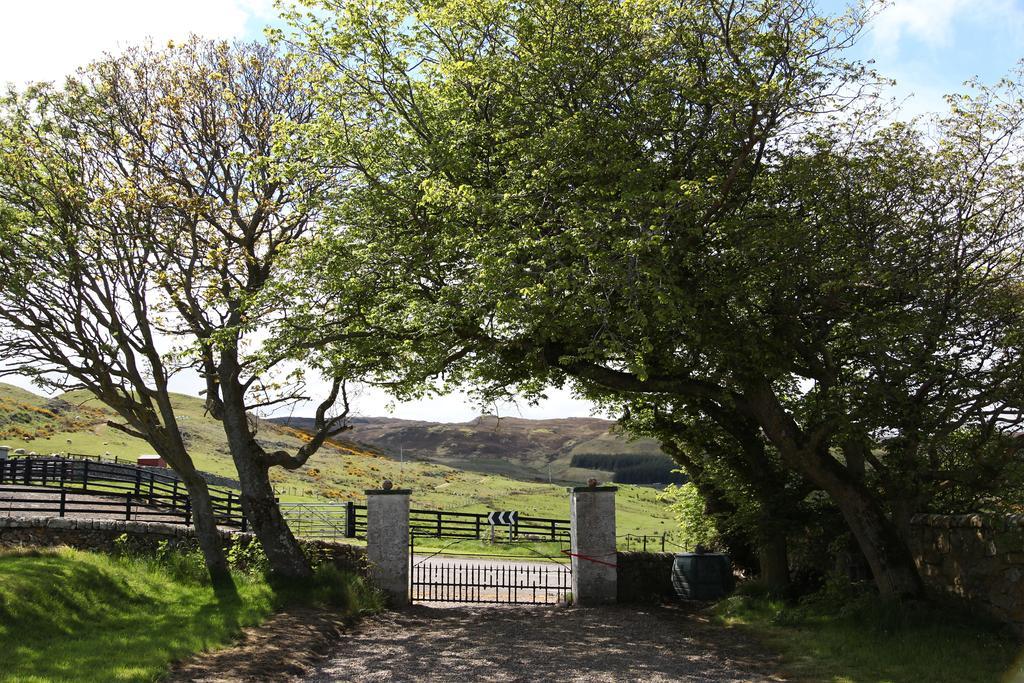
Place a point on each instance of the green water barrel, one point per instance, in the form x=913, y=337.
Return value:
x=702, y=576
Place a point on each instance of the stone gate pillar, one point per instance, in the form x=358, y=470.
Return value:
x=594, y=571
x=387, y=542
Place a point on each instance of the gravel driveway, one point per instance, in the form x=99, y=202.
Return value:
x=467, y=644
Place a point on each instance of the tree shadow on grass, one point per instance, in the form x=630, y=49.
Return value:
x=74, y=618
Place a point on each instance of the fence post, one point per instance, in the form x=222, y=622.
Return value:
x=63, y=501
x=594, y=556
x=188, y=510
x=350, y=519
x=174, y=496
x=138, y=482
x=85, y=474
x=478, y=527
x=439, y=524
x=128, y=508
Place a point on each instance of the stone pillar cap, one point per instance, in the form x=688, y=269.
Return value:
x=388, y=492
x=584, y=489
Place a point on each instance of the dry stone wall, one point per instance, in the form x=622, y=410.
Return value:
x=978, y=559
x=645, y=577
x=100, y=535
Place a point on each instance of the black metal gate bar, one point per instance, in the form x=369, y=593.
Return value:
x=436, y=580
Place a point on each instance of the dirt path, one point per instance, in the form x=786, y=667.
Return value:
x=467, y=644
x=286, y=647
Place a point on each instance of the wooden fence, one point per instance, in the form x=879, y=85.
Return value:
x=82, y=486
x=443, y=524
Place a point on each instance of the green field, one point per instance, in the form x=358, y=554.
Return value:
x=339, y=473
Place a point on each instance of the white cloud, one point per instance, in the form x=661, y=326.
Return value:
x=458, y=407
x=48, y=39
x=929, y=21
x=934, y=22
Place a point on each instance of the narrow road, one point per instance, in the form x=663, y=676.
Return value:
x=541, y=643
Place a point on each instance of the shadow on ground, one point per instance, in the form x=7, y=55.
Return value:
x=286, y=647
x=542, y=643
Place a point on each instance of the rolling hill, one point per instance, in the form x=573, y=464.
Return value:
x=343, y=470
x=539, y=450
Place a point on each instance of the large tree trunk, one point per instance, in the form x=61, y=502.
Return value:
x=891, y=561
x=889, y=557
x=207, y=534
x=258, y=501
x=203, y=521
x=749, y=461
x=167, y=441
x=773, y=556
x=264, y=514
x=892, y=564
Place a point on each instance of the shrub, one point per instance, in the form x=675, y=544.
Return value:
x=246, y=554
x=330, y=587
x=687, y=506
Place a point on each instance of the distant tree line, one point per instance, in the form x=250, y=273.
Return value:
x=632, y=468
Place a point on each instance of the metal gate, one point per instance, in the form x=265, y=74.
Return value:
x=484, y=580
x=479, y=578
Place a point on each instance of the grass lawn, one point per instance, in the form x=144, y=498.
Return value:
x=871, y=641
x=67, y=615
x=539, y=551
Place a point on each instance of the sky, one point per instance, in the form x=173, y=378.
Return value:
x=930, y=47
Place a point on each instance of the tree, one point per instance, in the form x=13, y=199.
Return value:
x=651, y=200
x=186, y=136
x=755, y=502
x=910, y=300
x=76, y=283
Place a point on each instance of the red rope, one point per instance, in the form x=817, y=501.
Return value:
x=590, y=559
